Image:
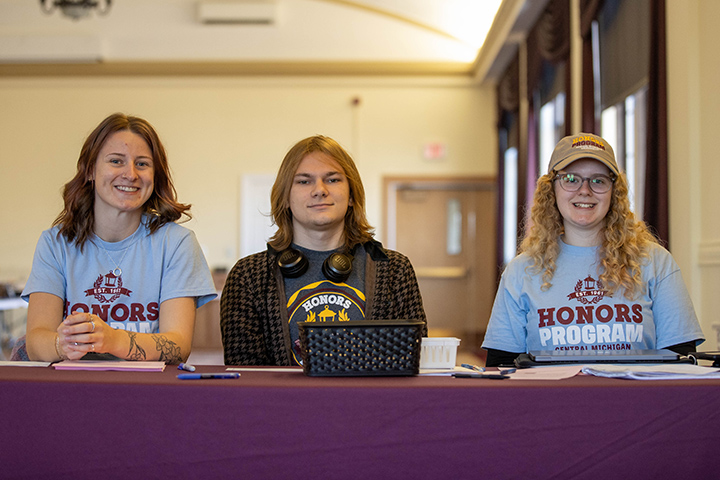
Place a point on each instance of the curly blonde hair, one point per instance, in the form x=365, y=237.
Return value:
x=625, y=244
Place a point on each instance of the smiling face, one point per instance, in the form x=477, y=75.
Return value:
x=319, y=198
x=583, y=211
x=124, y=176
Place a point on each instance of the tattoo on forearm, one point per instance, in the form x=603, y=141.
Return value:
x=136, y=351
x=169, y=350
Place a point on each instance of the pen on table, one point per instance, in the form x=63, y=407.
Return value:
x=201, y=376
x=508, y=371
x=186, y=366
x=491, y=376
x=473, y=367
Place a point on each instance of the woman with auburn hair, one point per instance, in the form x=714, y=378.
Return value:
x=76, y=220
x=115, y=277
x=321, y=264
x=589, y=274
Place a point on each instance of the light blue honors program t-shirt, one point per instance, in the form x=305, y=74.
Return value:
x=577, y=312
x=154, y=267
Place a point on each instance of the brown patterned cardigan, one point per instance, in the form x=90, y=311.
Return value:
x=254, y=320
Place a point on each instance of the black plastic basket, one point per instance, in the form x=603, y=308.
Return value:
x=361, y=348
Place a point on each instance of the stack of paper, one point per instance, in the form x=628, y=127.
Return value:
x=444, y=372
x=117, y=365
x=23, y=363
x=666, y=371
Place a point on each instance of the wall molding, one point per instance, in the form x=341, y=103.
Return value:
x=105, y=68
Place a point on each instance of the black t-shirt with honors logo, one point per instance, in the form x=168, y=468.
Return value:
x=313, y=298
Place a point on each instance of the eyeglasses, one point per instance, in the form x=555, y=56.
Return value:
x=571, y=182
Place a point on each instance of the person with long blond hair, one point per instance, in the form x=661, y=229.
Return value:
x=321, y=264
x=115, y=276
x=590, y=275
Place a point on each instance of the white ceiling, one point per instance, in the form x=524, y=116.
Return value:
x=346, y=37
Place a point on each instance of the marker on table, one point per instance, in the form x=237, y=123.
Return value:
x=201, y=376
x=473, y=367
x=186, y=366
x=500, y=375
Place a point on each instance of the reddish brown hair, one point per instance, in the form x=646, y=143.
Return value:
x=76, y=221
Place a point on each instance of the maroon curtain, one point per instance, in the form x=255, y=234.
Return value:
x=548, y=46
x=508, y=104
x=547, y=43
x=588, y=13
x=530, y=167
x=499, y=200
x=656, y=179
x=551, y=33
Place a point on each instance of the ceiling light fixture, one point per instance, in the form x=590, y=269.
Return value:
x=75, y=9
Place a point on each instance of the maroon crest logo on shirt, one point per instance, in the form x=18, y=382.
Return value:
x=108, y=288
x=589, y=291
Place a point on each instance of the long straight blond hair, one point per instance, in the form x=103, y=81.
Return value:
x=357, y=229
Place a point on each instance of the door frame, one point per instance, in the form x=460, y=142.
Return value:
x=391, y=184
x=472, y=338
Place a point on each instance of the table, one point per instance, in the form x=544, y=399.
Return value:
x=81, y=424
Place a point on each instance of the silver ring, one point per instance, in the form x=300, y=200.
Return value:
x=92, y=322
x=75, y=344
x=92, y=346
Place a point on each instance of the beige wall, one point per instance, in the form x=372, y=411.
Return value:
x=216, y=130
x=694, y=123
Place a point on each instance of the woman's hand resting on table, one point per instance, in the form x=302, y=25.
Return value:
x=81, y=333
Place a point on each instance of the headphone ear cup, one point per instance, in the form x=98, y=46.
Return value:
x=292, y=263
x=337, y=267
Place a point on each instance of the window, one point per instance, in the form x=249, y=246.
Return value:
x=622, y=45
x=510, y=204
x=623, y=125
x=552, y=128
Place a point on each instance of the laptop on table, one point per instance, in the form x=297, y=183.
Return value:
x=554, y=357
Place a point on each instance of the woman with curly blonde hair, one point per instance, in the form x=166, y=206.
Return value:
x=590, y=275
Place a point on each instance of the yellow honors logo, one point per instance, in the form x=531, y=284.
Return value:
x=327, y=315
x=587, y=142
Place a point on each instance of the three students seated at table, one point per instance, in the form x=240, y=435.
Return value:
x=116, y=277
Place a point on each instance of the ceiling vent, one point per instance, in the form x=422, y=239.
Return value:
x=241, y=12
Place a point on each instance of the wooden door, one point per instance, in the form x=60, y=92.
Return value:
x=447, y=229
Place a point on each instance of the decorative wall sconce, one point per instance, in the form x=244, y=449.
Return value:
x=76, y=9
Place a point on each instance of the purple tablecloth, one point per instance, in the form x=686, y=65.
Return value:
x=80, y=424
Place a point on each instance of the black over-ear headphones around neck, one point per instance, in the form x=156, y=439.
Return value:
x=336, y=267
